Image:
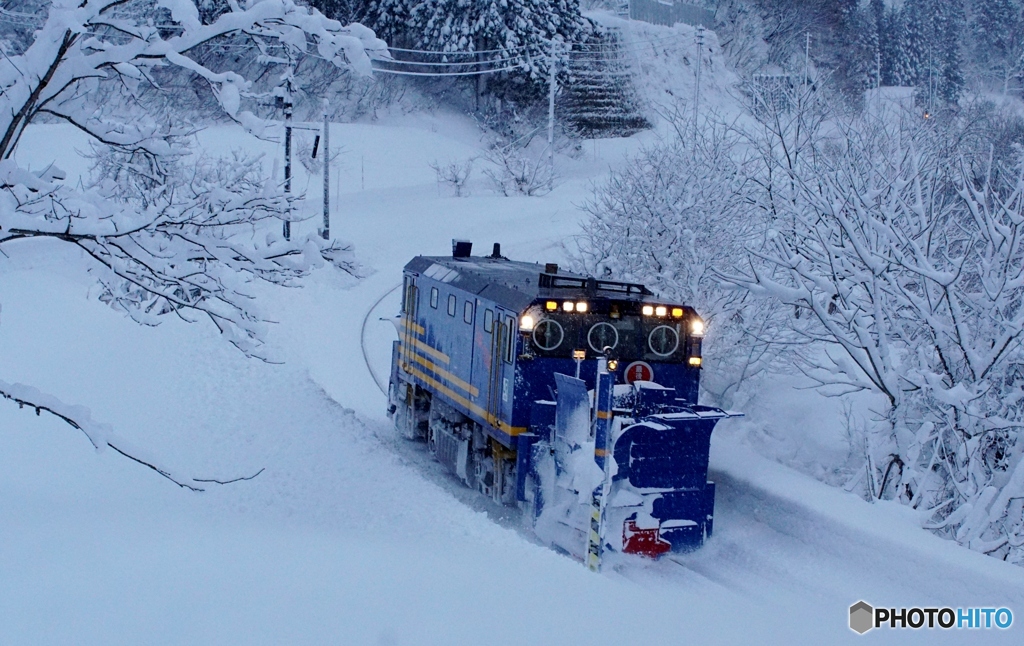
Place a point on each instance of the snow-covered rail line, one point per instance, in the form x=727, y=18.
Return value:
x=362, y=339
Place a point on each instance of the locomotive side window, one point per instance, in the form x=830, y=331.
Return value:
x=408, y=293
x=488, y=320
x=510, y=340
x=452, y=301
x=467, y=312
x=433, y=297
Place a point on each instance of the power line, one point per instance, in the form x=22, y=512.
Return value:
x=645, y=40
x=466, y=64
x=474, y=53
x=639, y=46
x=441, y=74
x=430, y=74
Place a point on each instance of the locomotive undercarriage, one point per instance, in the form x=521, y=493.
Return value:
x=659, y=496
x=458, y=442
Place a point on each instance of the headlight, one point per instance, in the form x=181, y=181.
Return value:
x=697, y=327
x=526, y=323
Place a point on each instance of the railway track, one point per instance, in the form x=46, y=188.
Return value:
x=362, y=339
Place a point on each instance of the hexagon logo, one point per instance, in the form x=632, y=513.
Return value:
x=861, y=617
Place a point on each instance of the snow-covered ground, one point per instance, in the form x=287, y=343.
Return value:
x=351, y=535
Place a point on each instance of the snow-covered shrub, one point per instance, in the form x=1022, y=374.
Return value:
x=514, y=171
x=677, y=215
x=907, y=250
x=453, y=174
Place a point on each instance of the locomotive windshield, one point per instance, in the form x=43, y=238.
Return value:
x=610, y=329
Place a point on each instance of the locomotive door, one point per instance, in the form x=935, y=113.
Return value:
x=408, y=411
x=499, y=388
x=409, y=301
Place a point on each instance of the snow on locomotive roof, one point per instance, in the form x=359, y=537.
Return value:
x=516, y=284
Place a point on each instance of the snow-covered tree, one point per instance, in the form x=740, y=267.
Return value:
x=926, y=49
x=509, y=32
x=950, y=28
x=878, y=37
x=997, y=39
x=674, y=217
x=390, y=20
x=907, y=49
x=909, y=254
x=170, y=237
x=345, y=11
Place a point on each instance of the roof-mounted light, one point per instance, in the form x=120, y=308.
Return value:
x=551, y=306
x=648, y=310
x=581, y=306
x=661, y=310
x=568, y=306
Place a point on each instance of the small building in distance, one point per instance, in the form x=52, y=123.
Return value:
x=892, y=102
x=670, y=12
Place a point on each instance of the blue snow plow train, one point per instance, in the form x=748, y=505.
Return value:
x=572, y=397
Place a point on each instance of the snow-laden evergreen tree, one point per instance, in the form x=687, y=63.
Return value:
x=889, y=46
x=997, y=40
x=859, y=45
x=390, y=20
x=885, y=23
x=907, y=51
x=345, y=11
x=877, y=38
x=509, y=32
x=844, y=46
x=950, y=27
x=929, y=50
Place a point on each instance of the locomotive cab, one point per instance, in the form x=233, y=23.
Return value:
x=645, y=339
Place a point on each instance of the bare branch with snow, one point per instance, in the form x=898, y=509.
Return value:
x=100, y=435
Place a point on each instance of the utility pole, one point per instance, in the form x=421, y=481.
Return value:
x=551, y=111
x=807, y=59
x=696, y=96
x=326, y=233
x=286, y=103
